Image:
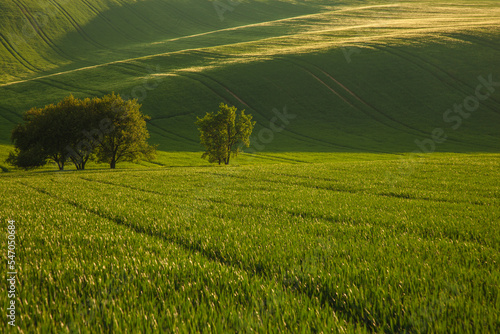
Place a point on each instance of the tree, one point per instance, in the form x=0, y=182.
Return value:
x=36, y=139
x=77, y=119
x=223, y=133
x=53, y=132
x=106, y=129
x=127, y=137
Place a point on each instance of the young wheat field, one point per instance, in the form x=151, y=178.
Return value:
x=395, y=245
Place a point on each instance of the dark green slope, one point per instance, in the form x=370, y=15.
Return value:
x=374, y=79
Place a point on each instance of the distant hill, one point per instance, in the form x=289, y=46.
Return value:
x=367, y=76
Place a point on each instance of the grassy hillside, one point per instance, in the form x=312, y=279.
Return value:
x=59, y=34
x=368, y=76
x=329, y=223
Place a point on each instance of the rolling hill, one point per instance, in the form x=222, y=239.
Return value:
x=354, y=76
x=335, y=226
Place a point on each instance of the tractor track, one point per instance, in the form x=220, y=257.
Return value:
x=419, y=62
x=11, y=112
x=297, y=134
x=253, y=269
x=36, y=27
x=108, y=21
x=174, y=134
x=23, y=61
x=419, y=132
x=66, y=87
x=364, y=103
x=77, y=27
x=492, y=98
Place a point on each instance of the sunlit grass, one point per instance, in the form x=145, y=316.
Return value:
x=350, y=245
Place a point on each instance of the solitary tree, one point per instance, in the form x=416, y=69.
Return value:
x=223, y=133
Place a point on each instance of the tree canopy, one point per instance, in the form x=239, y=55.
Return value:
x=107, y=129
x=224, y=133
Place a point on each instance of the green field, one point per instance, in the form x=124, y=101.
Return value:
x=360, y=76
x=368, y=201
x=320, y=247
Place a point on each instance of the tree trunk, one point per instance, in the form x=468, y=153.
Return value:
x=112, y=164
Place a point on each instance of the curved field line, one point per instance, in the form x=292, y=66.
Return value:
x=184, y=74
x=8, y=119
x=235, y=96
x=170, y=116
x=363, y=102
x=36, y=27
x=329, y=88
x=172, y=134
x=202, y=34
x=477, y=40
x=444, y=82
x=188, y=245
x=50, y=83
x=130, y=64
x=369, y=105
x=108, y=21
x=61, y=85
x=280, y=182
x=454, y=78
x=128, y=68
x=290, y=212
x=220, y=30
x=298, y=17
x=267, y=156
x=222, y=201
x=11, y=112
x=410, y=127
x=23, y=61
x=142, y=18
x=77, y=27
x=349, y=191
x=408, y=58
x=158, y=133
x=286, y=129
x=394, y=120
x=282, y=158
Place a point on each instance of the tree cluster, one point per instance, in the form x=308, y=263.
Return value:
x=107, y=129
x=224, y=133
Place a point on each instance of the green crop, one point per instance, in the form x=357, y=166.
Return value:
x=350, y=246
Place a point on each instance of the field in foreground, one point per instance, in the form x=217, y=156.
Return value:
x=382, y=245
